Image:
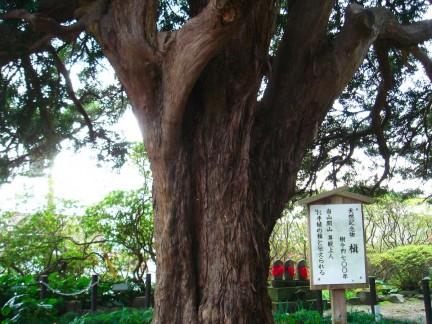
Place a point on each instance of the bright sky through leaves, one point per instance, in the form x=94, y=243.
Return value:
x=76, y=177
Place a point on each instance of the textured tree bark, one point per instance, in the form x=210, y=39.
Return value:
x=223, y=163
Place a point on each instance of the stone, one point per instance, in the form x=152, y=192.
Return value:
x=364, y=297
x=279, y=283
x=289, y=271
x=302, y=271
x=277, y=270
x=408, y=293
x=290, y=293
x=395, y=298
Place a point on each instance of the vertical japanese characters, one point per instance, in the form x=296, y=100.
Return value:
x=337, y=244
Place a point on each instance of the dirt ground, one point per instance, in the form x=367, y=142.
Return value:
x=412, y=311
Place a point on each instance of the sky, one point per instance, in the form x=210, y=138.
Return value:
x=75, y=177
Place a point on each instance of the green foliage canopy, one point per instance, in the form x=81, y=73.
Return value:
x=383, y=114
x=42, y=106
x=393, y=222
x=113, y=237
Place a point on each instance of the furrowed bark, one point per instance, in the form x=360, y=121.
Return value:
x=221, y=260
x=288, y=116
x=198, y=143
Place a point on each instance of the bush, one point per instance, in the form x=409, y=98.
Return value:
x=19, y=297
x=301, y=316
x=25, y=309
x=404, y=266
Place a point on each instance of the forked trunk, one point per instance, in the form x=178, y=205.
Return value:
x=224, y=164
x=212, y=240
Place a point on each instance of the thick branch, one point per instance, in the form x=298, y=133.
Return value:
x=307, y=20
x=187, y=51
x=150, y=21
x=403, y=35
x=377, y=126
x=128, y=34
x=52, y=28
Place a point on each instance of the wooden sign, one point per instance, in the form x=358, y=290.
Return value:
x=337, y=246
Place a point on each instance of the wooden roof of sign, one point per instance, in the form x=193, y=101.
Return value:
x=341, y=192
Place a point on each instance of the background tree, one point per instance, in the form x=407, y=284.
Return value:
x=122, y=225
x=116, y=231
x=44, y=242
x=289, y=239
x=224, y=163
x=393, y=222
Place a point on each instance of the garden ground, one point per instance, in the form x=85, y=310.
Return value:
x=412, y=311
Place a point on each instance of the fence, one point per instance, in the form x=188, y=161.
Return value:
x=93, y=287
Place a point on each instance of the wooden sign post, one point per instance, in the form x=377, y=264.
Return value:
x=337, y=251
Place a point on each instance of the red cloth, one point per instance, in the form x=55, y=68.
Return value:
x=291, y=271
x=303, y=273
x=277, y=270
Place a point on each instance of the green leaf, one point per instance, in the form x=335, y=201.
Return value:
x=6, y=310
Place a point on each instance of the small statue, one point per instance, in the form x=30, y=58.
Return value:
x=289, y=271
x=302, y=270
x=277, y=270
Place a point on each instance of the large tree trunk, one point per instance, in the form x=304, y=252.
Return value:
x=224, y=164
x=212, y=241
x=211, y=235
x=219, y=186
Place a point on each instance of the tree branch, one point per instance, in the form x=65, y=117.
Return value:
x=188, y=50
x=399, y=35
x=69, y=88
x=420, y=55
x=40, y=23
x=365, y=26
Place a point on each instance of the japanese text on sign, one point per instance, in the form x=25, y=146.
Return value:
x=337, y=244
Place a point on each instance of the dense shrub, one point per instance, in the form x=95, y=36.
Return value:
x=404, y=266
x=19, y=297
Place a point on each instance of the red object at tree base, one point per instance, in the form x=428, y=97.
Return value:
x=291, y=271
x=277, y=270
x=303, y=273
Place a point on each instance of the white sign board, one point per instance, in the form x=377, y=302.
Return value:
x=337, y=244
